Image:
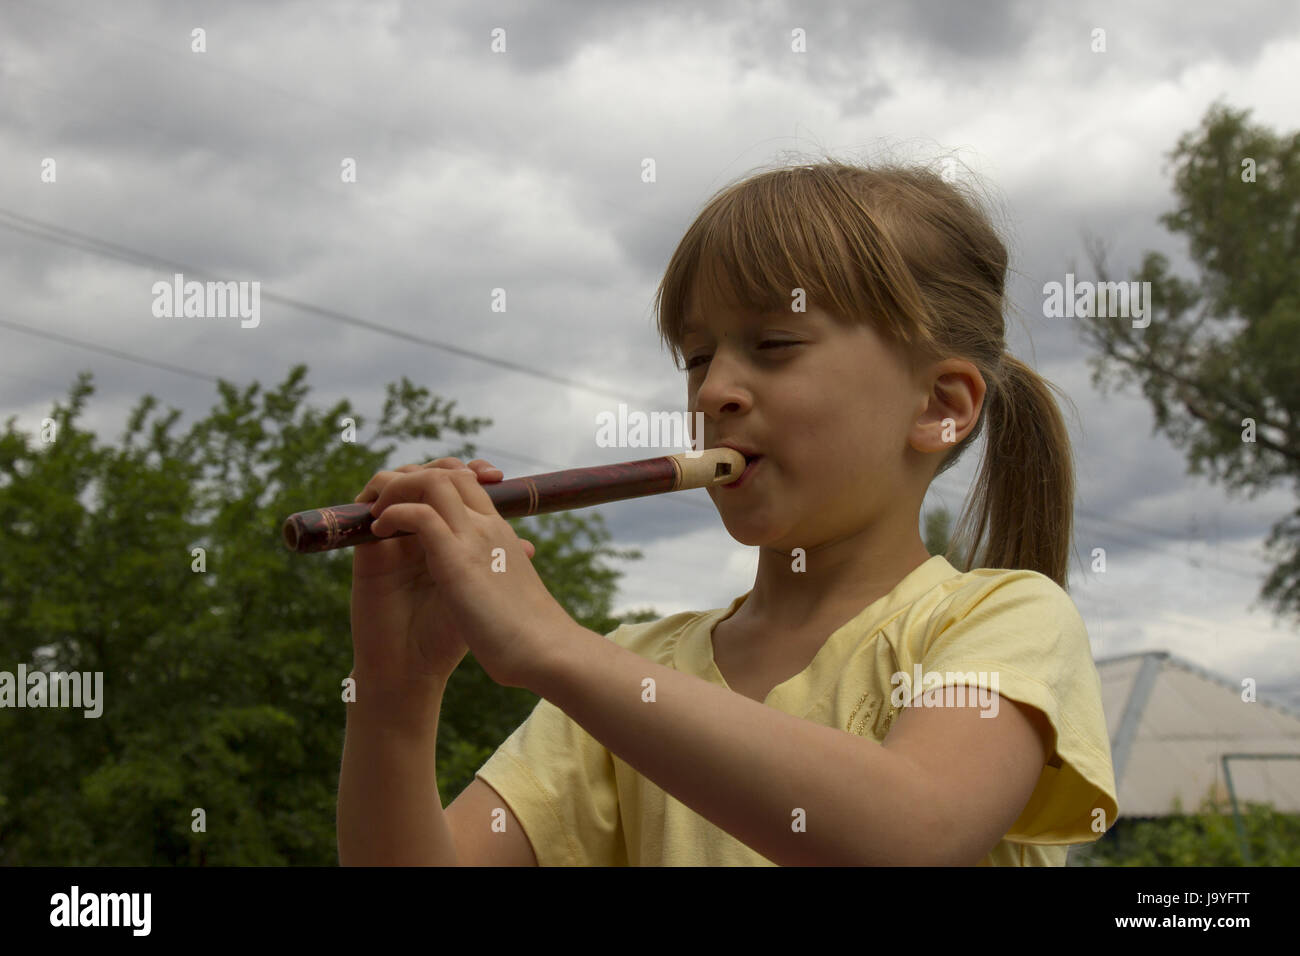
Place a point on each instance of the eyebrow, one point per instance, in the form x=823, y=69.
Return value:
x=690, y=327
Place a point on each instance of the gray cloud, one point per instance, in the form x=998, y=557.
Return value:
x=521, y=171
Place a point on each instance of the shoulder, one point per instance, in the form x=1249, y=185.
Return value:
x=1019, y=634
x=1005, y=585
x=657, y=640
x=1019, y=624
x=1010, y=602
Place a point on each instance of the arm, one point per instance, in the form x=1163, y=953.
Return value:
x=389, y=811
x=746, y=767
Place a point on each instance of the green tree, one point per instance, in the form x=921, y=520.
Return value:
x=222, y=668
x=938, y=530
x=1220, y=360
x=1206, y=838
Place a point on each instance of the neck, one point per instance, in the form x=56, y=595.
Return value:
x=840, y=577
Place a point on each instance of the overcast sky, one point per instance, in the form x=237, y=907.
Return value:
x=522, y=170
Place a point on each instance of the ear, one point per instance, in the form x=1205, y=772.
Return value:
x=954, y=395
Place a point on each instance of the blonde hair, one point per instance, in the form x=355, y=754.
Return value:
x=914, y=254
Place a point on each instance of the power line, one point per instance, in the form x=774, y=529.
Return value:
x=86, y=243
x=81, y=241
x=1082, y=512
x=99, y=111
x=495, y=452
x=105, y=350
x=213, y=65
x=192, y=373
x=137, y=257
x=1165, y=533
x=1083, y=515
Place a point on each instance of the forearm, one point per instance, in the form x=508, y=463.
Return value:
x=389, y=810
x=747, y=767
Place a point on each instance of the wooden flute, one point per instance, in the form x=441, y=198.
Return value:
x=343, y=526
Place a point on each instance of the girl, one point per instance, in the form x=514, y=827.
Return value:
x=864, y=702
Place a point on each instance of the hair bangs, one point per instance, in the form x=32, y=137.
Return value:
x=754, y=249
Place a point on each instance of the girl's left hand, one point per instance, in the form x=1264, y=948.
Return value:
x=485, y=582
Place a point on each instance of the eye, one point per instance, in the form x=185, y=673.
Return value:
x=699, y=359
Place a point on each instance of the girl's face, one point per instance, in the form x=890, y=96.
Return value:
x=829, y=406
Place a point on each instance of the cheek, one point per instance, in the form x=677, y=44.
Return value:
x=805, y=421
x=818, y=442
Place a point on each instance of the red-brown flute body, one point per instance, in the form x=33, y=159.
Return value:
x=343, y=526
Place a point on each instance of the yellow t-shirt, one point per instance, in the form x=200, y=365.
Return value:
x=1017, y=631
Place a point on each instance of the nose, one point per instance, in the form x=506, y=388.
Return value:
x=721, y=391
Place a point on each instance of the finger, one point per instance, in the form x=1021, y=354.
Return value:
x=473, y=494
x=485, y=469
x=432, y=486
x=528, y=548
x=381, y=479
x=376, y=484
x=450, y=492
x=418, y=519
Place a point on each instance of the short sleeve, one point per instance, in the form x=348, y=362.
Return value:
x=1023, y=637
x=559, y=782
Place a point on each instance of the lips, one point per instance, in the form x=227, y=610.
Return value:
x=743, y=449
x=751, y=458
x=751, y=465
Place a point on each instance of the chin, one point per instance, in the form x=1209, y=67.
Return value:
x=748, y=534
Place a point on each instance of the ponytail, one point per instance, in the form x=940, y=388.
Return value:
x=1024, y=495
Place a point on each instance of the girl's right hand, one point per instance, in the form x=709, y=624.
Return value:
x=400, y=641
